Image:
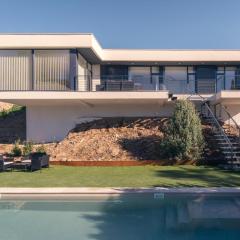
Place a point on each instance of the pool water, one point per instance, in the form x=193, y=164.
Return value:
x=127, y=217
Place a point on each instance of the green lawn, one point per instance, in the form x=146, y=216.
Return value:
x=142, y=176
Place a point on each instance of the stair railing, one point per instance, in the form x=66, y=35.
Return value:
x=230, y=118
x=220, y=129
x=205, y=103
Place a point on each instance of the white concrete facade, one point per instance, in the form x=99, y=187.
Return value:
x=39, y=72
x=52, y=123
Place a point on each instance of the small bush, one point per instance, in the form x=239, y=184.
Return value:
x=41, y=149
x=16, y=150
x=3, y=113
x=16, y=108
x=184, y=139
x=27, y=148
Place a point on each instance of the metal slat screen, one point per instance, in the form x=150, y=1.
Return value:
x=15, y=70
x=52, y=70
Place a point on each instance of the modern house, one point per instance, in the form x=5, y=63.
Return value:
x=65, y=79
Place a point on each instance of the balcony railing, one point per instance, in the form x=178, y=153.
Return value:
x=131, y=82
x=147, y=82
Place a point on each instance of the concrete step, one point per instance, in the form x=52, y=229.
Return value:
x=219, y=133
x=232, y=157
x=223, y=141
x=229, y=152
x=228, y=147
x=229, y=156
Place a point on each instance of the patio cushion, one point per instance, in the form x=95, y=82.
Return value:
x=26, y=161
x=7, y=163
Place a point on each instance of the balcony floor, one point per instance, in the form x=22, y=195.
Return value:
x=227, y=97
x=31, y=98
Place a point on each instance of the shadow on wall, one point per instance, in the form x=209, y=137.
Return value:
x=13, y=125
x=128, y=122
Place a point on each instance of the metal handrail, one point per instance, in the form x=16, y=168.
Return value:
x=231, y=118
x=221, y=129
x=205, y=103
x=194, y=94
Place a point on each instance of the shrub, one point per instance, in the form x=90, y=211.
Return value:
x=183, y=138
x=41, y=149
x=16, y=150
x=16, y=108
x=27, y=148
x=4, y=113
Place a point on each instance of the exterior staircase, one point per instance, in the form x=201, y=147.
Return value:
x=228, y=144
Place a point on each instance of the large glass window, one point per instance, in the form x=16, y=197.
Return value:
x=206, y=79
x=52, y=70
x=141, y=76
x=176, y=79
x=15, y=70
x=114, y=72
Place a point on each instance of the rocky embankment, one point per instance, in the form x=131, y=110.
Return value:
x=107, y=139
x=111, y=139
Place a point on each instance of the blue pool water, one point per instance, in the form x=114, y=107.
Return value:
x=128, y=217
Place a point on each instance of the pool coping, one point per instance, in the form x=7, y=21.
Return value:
x=82, y=193
x=116, y=190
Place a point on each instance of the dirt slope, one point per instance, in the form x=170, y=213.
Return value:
x=107, y=139
x=111, y=139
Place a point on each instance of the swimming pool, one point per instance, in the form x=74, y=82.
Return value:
x=150, y=216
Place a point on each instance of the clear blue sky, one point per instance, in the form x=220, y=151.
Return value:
x=131, y=23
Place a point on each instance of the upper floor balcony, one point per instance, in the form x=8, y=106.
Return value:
x=156, y=82
x=55, y=81
x=66, y=70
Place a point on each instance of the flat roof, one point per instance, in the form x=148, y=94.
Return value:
x=91, y=49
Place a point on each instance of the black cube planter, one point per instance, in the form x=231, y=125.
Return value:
x=39, y=160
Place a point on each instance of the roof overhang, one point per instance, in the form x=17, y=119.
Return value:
x=86, y=43
x=172, y=56
x=89, y=47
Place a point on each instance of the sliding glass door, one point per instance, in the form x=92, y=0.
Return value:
x=206, y=79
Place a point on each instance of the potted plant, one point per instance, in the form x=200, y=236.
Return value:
x=40, y=156
x=27, y=149
x=16, y=150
